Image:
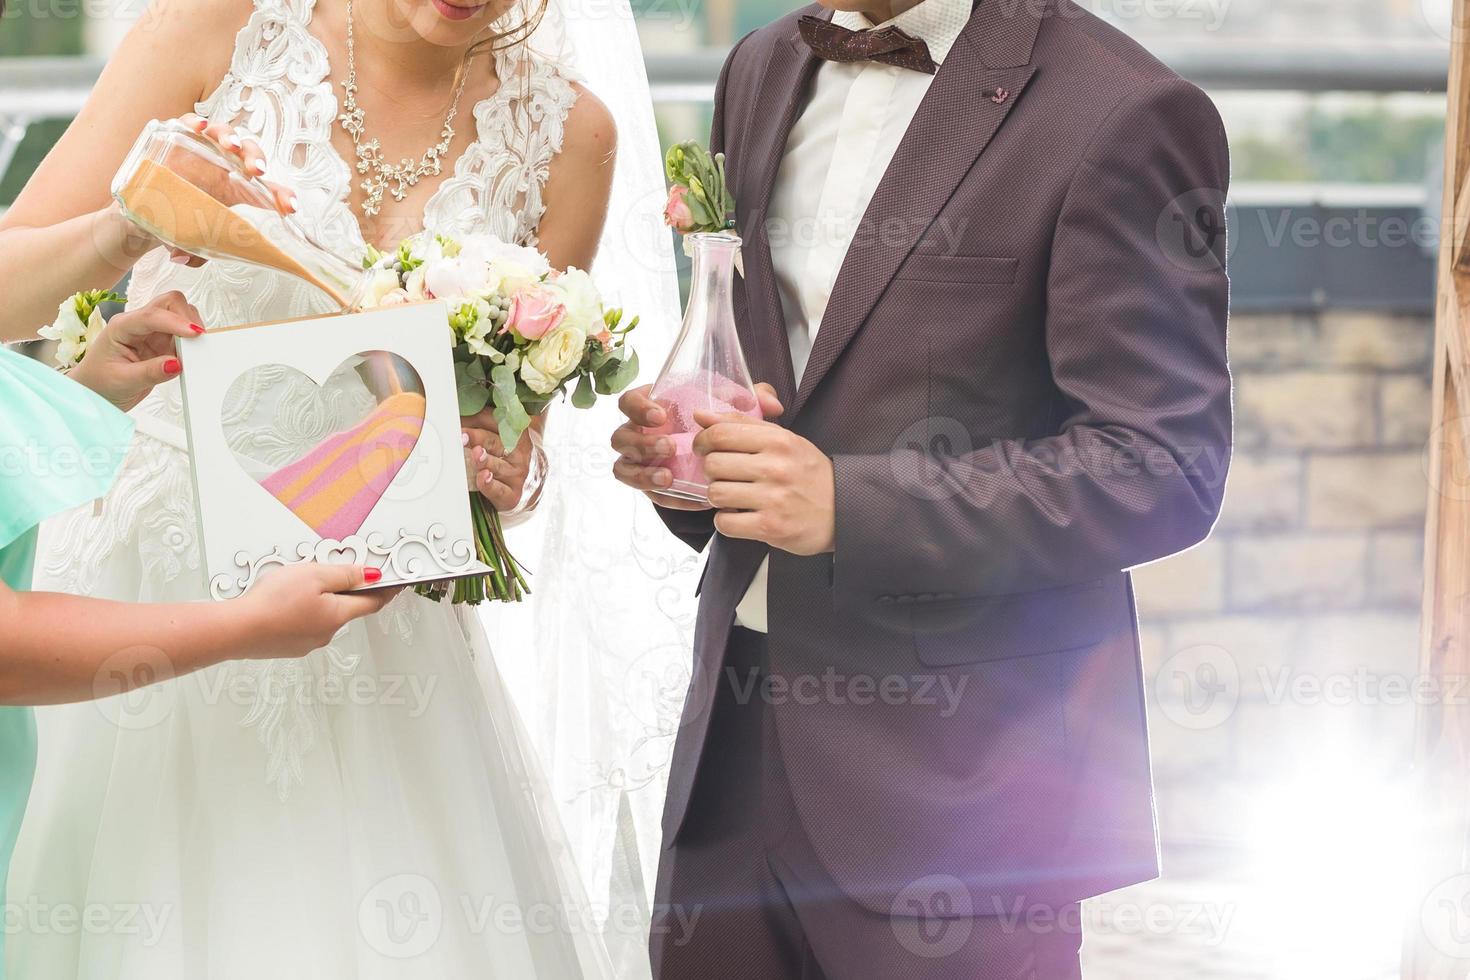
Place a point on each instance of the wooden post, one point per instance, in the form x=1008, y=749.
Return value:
x=1438, y=935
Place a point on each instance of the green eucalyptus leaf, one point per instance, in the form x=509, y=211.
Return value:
x=469, y=380
x=584, y=396
x=473, y=397
x=510, y=413
x=617, y=375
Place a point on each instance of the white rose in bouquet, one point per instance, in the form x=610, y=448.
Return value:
x=552, y=358
x=516, y=266
x=580, y=297
x=459, y=277
x=383, y=282
x=413, y=285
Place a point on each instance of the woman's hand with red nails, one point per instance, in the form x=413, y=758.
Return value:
x=300, y=608
x=135, y=351
x=251, y=157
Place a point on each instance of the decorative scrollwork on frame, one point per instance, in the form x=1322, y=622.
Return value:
x=408, y=558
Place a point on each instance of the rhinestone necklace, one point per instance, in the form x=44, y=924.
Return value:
x=381, y=175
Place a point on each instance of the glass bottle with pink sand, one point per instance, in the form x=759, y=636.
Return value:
x=706, y=370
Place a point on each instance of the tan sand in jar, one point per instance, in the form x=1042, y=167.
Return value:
x=182, y=214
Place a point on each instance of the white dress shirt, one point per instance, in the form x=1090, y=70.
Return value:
x=836, y=154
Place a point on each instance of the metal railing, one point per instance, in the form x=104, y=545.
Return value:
x=1274, y=276
x=34, y=89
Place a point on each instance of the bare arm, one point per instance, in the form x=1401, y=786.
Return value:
x=63, y=648
x=65, y=214
x=579, y=185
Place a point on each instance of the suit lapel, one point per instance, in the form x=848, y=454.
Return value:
x=778, y=100
x=971, y=96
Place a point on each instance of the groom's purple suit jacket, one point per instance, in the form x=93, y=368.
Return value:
x=1021, y=381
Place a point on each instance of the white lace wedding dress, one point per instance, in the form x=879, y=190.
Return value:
x=373, y=810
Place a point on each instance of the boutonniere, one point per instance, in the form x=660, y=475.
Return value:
x=78, y=322
x=699, y=194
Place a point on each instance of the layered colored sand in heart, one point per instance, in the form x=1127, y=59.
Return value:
x=334, y=487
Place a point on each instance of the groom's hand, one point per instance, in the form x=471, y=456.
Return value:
x=769, y=483
x=642, y=444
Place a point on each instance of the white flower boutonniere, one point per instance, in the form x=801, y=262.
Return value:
x=78, y=322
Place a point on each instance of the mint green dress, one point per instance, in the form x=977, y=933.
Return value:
x=60, y=446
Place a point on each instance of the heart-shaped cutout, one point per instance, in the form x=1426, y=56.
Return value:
x=334, y=484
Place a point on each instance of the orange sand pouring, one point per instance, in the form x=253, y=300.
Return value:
x=188, y=217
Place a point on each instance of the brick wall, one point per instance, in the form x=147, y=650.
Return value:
x=1272, y=649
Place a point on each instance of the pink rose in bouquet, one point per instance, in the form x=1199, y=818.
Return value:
x=534, y=312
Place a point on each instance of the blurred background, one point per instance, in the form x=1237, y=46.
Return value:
x=1282, y=655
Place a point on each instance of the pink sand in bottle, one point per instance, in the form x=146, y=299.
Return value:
x=681, y=398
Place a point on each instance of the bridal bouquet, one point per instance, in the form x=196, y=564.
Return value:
x=523, y=334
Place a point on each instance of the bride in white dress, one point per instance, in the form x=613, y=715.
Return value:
x=374, y=810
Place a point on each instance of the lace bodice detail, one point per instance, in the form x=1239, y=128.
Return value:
x=279, y=89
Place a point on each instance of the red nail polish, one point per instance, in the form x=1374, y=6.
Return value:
x=371, y=575
x=172, y=366
x=196, y=328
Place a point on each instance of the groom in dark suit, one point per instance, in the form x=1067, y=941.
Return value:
x=985, y=285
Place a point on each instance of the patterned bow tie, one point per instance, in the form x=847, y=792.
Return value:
x=888, y=45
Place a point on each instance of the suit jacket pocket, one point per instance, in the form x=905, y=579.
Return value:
x=925, y=267
x=971, y=631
